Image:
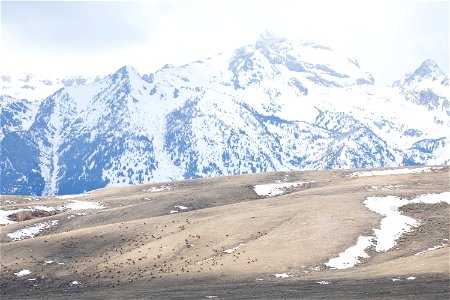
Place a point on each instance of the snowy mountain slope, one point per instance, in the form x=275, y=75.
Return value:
x=276, y=104
x=34, y=87
x=16, y=115
x=427, y=86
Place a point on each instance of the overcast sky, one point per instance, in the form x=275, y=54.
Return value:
x=388, y=38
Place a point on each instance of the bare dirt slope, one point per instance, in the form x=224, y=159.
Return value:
x=217, y=237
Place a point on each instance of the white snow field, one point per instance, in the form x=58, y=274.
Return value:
x=32, y=231
x=282, y=275
x=392, y=227
x=66, y=197
x=352, y=255
x=158, y=188
x=72, y=205
x=229, y=251
x=79, y=205
x=23, y=273
x=4, y=216
x=276, y=189
x=394, y=172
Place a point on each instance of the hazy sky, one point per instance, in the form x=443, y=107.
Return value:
x=388, y=38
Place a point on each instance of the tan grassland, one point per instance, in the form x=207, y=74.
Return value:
x=136, y=239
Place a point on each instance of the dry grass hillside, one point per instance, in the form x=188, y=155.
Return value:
x=217, y=238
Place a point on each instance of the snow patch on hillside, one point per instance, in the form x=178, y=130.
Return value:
x=72, y=205
x=282, y=275
x=78, y=205
x=4, y=216
x=392, y=227
x=275, y=189
x=22, y=273
x=178, y=208
x=442, y=245
x=432, y=198
x=385, y=187
x=394, y=172
x=158, y=188
x=229, y=251
x=352, y=255
x=44, y=208
x=32, y=231
x=393, y=224
x=65, y=197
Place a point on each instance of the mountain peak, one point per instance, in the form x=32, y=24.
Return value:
x=126, y=72
x=427, y=70
x=269, y=37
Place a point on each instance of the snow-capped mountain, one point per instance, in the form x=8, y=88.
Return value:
x=276, y=104
x=427, y=86
x=34, y=87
